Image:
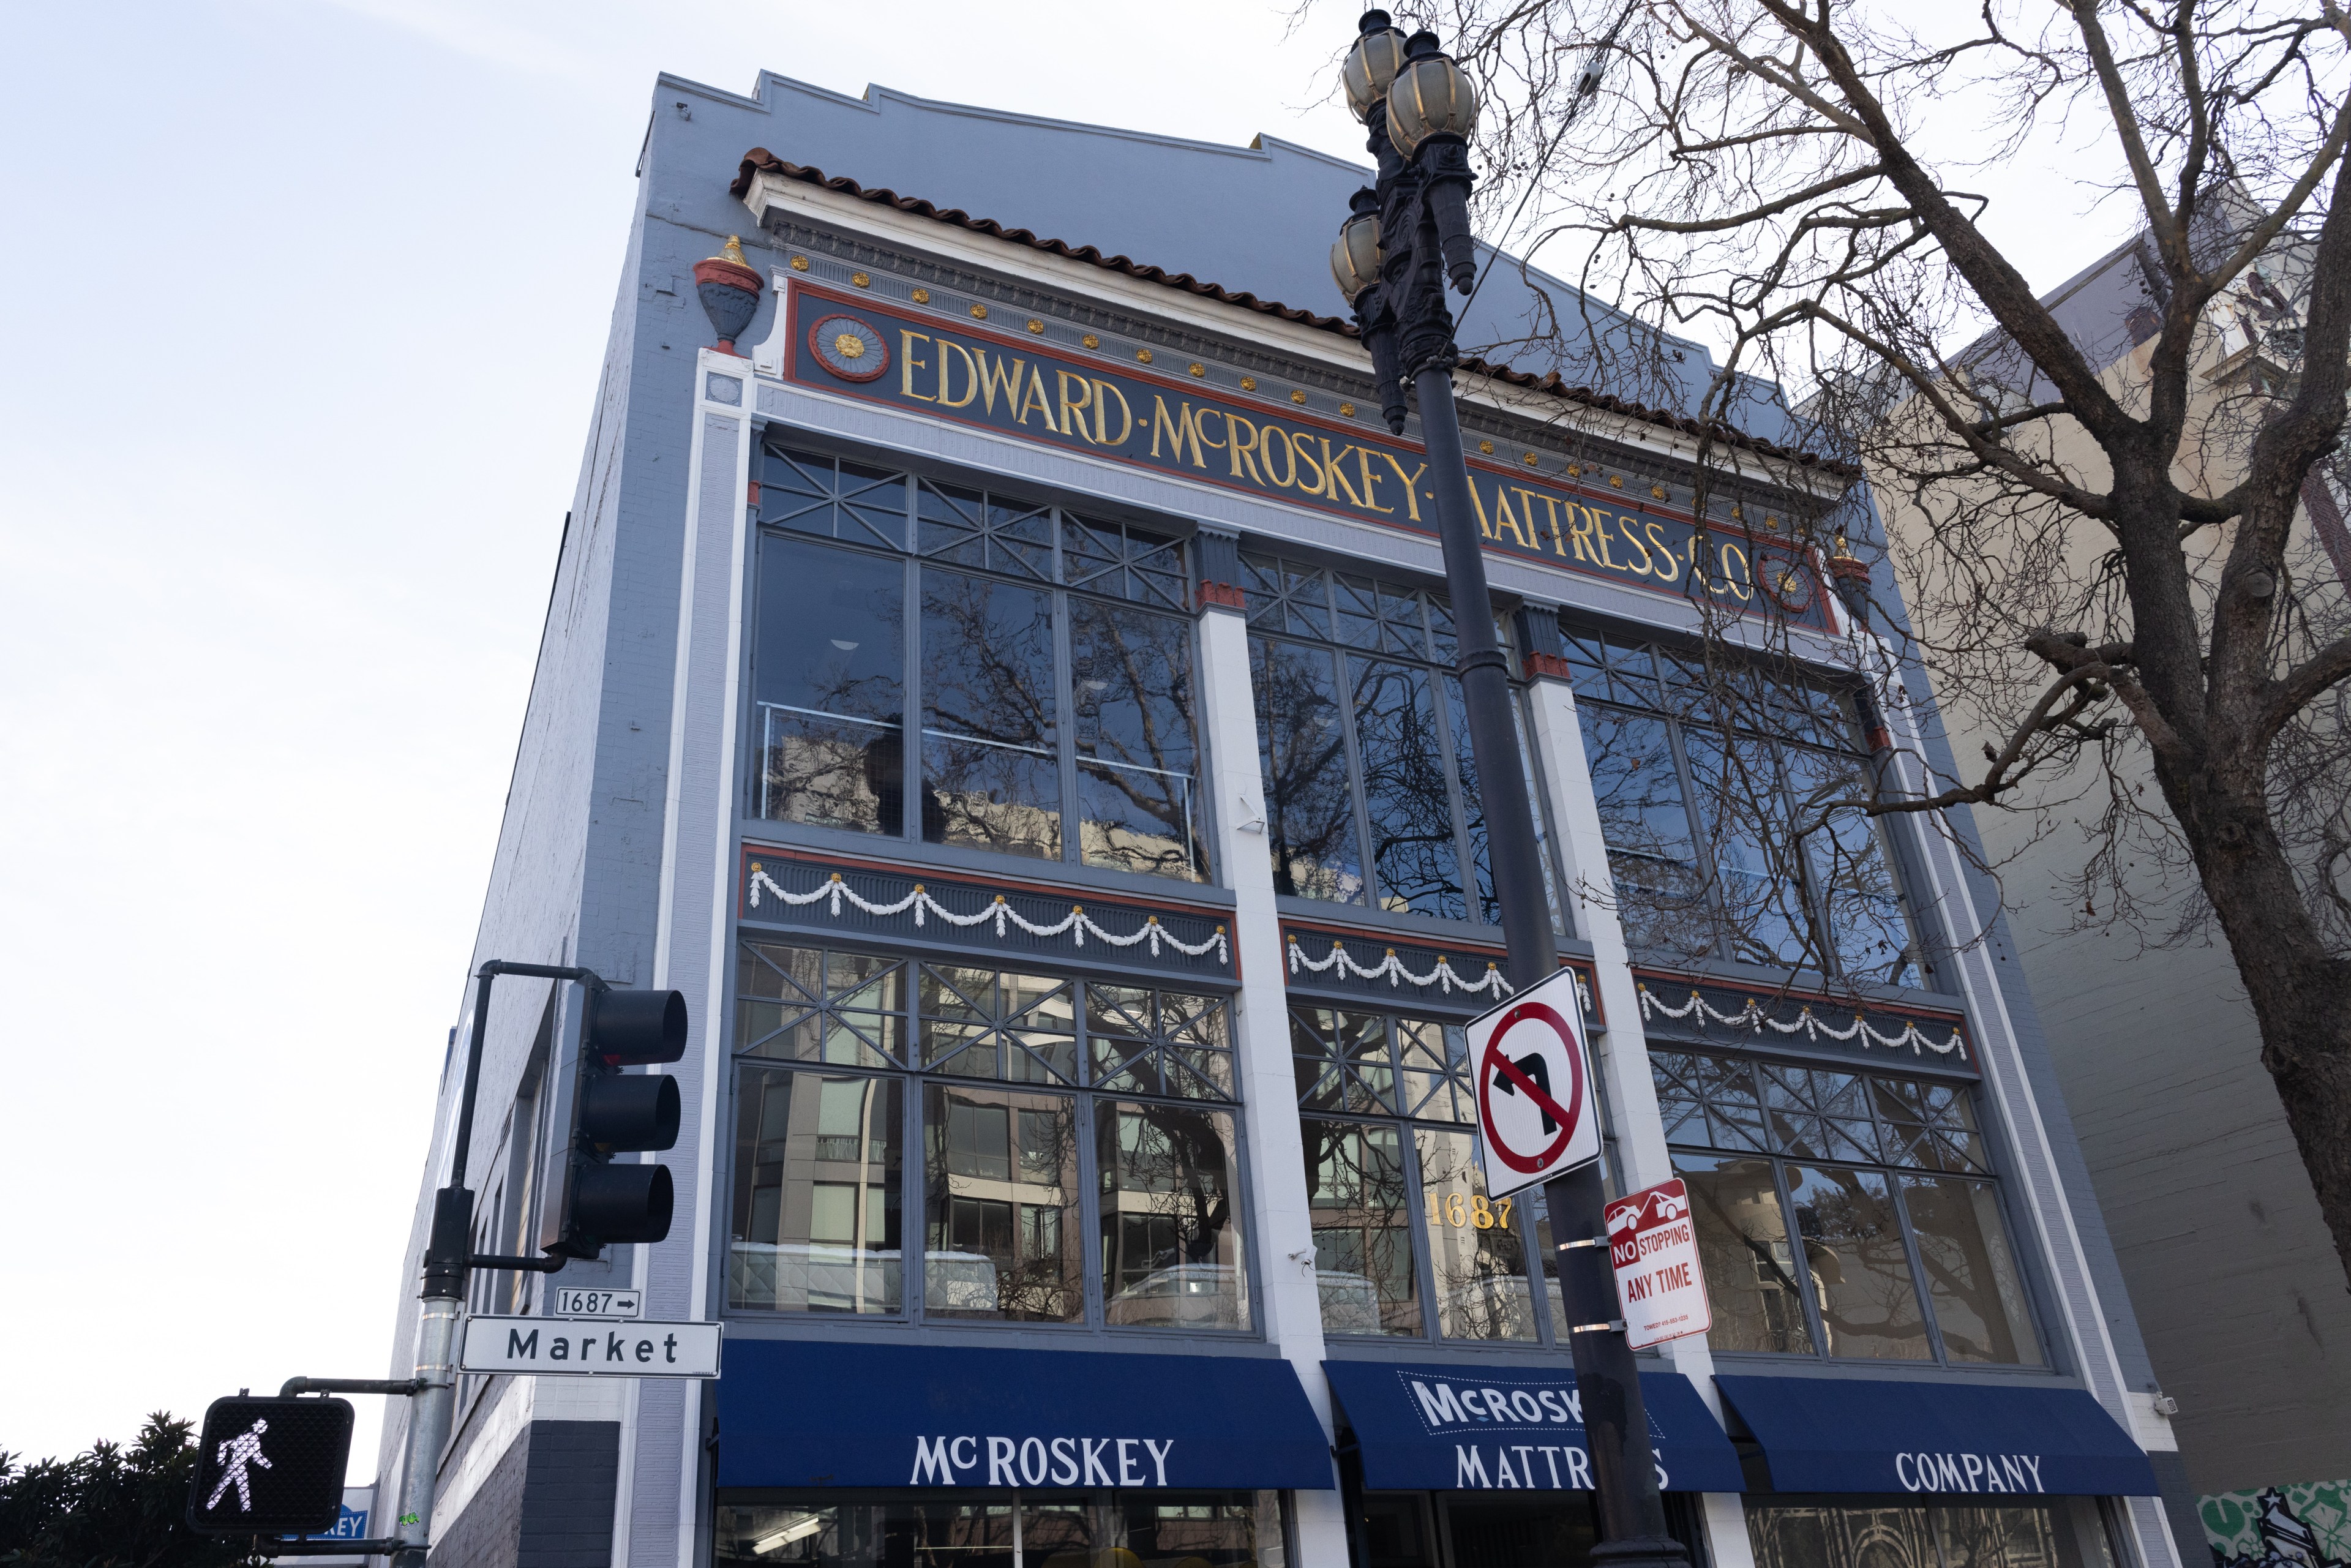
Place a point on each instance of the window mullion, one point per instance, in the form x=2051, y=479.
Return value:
x=1424, y=1260
x=1090, y=1195
x=913, y=1222
x=1065, y=719
x=914, y=782
x=1918, y=1262
x=1800, y=1261
x=1367, y=855
x=1810, y=880
x=1449, y=741
x=1703, y=826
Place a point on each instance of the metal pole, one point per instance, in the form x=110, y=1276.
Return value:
x=448, y=1260
x=1608, y=1385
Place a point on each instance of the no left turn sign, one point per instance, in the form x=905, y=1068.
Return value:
x=1535, y=1115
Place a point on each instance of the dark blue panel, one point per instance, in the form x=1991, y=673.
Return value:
x=1821, y=1434
x=799, y=1413
x=1447, y=1427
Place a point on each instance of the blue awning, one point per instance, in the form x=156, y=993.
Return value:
x=1445, y=1428
x=802, y=1412
x=1875, y=1435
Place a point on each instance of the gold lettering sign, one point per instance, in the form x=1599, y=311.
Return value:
x=1033, y=391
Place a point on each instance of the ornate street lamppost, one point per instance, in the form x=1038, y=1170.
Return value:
x=1399, y=247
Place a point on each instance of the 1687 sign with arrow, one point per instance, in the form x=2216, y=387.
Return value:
x=1536, y=1118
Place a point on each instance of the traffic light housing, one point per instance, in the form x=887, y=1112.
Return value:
x=613, y=1112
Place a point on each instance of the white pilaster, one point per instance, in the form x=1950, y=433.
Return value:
x=1623, y=1052
x=1285, y=1231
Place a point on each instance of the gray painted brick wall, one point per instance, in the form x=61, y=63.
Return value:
x=547, y=1503
x=568, y=1494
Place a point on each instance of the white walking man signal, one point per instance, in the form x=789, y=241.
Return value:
x=239, y=1451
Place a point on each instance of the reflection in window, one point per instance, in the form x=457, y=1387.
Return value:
x=1159, y=1043
x=1406, y=798
x=1052, y=671
x=1473, y=805
x=1756, y=877
x=1056, y=1530
x=990, y=759
x=1476, y=1249
x=807, y=1004
x=1652, y=856
x=1371, y=788
x=1860, y=1270
x=830, y=680
x=1380, y=1062
x=1310, y=809
x=1849, y=861
x=1138, y=761
x=987, y=1023
x=1970, y=1276
x=1171, y=1254
x=1742, y=1244
x=2048, y=1535
x=817, y=1222
x=1718, y=790
x=1003, y=1236
x=1858, y=1154
x=1391, y=1196
x=1362, y=1228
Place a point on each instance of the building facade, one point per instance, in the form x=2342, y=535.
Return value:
x=1008, y=689
x=2160, y=1056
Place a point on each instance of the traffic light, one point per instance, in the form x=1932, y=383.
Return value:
x=614, y=1112
x=270, y=1466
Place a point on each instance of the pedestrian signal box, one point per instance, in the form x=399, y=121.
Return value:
x=271, y=1467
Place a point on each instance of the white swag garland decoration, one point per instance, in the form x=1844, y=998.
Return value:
x=1392, y=969
x=1077, y=921
x=1753, y=1017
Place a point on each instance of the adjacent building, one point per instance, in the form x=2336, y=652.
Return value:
x=2153, y=1039
x=1008, y=689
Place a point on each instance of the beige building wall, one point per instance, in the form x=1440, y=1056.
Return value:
x=2239, y=1292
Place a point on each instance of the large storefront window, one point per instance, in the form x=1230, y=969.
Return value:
x=1044, y=660
x=1078, y=1160
x=1843, y=1214
x=1372, y=794
x=1406, y=1242
x=1080, y=1530
x=1719, y=798
x=2060, y=1534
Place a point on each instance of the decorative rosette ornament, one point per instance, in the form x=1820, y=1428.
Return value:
x=849, y=347
x=730, y=293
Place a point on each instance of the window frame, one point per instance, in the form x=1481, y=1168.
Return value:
x=1822, y=956
x=917, y=1079
x=908, y=552
x=1264, y=620
x=1989, y=1172
x=1424, y=1261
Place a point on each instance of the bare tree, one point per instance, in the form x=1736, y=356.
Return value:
x=2114, y=568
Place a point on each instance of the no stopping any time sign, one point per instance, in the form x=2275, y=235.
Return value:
x=1535, y=1114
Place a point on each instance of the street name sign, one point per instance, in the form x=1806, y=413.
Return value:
x=1653, y=1242
x=571, y=1301
x=270, y=1466
x=590, y=1349
x=1536, y=1115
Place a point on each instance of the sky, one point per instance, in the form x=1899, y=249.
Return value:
x=301, y=310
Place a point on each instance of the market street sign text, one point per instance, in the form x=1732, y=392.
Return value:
x=859, y=348
x=590, y=1349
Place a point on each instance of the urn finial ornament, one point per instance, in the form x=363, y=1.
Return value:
x=730, y=292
